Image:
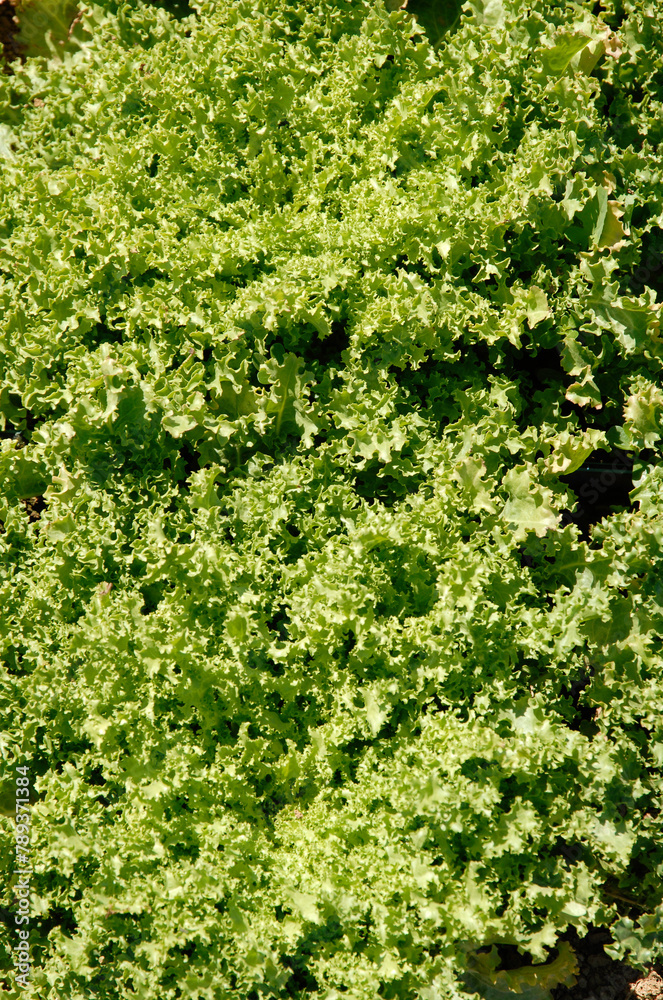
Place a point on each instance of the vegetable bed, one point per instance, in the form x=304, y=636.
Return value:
x=330, y=497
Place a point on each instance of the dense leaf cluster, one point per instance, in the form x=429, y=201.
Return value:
x=326, y=677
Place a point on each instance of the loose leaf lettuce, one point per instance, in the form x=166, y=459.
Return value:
x=305, y=318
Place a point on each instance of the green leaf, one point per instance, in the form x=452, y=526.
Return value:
x=527, y=508
x=177, y=425
x=555, y=60
x=305, y=904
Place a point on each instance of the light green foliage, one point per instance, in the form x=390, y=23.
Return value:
x=302, y=320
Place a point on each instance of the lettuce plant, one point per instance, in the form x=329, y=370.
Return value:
x=329, y=681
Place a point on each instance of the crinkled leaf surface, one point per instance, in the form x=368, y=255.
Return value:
x=303, y=320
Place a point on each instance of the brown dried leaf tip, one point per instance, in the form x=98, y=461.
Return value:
x=649, y=988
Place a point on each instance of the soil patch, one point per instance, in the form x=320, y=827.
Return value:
x=8, y=31
x=603, y=978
